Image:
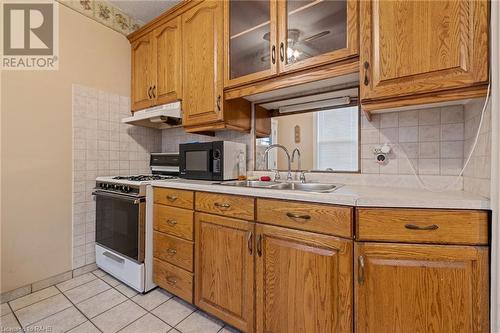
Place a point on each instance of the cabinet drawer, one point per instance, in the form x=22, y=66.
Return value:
x=174, y=197
x=174, y=250
x=174, y=221
x=422, y=226
x=173, y=279
x=327, y=219
x=227, y=205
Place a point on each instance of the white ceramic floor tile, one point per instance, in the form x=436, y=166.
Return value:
x=118, y=317
x=9, y=323
x=33, y=298
x=59, y=322
x=42, y=309
x=5, y=309
x=75, y=282
x=200, y=322
x=87, y=290
x=99, y=303
x=110, y=280
x=99, y=273
x=86, y=327
x=173, y=311
x=126, y=290
x=147, y=324
x=152, y=299
x=173, y=330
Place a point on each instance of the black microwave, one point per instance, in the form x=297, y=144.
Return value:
x=217, y=160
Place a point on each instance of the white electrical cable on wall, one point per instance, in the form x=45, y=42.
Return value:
x=446, y=187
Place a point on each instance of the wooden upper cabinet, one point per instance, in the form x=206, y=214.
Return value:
x=313, y=33
x=250, y=32
x=414, y=47
x=303, y=282
x=202, y=35
x=224, y=269
x=142, y=72
x=168, y=62
x=421, y=288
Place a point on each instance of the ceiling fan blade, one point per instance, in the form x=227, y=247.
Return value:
x=316, y=36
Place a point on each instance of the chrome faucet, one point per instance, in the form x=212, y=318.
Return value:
x=266, y=158
x=296, y=150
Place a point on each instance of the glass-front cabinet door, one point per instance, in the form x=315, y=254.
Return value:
x=251, y=40
x=315, y=32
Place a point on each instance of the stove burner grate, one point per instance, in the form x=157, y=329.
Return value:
x=142, y=178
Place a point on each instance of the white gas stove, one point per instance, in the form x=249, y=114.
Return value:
x=124, y=226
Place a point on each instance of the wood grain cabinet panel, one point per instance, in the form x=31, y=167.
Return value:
x=168, y=62
x=174, y=250
x=421, y=288
x=303, y=282
x=202, y=46
x=422, y=226
x=224, y=269
x=328, y=219
x=225, y=204
x=173, y=221
x=142, y=72
x=174, y=197
x=417, y=47
x=173, y=279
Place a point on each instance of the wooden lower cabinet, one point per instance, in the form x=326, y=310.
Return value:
x=224, y=269
x=303, y=282
x=409, y=288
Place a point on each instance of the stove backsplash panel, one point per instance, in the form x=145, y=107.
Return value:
x=102, y=146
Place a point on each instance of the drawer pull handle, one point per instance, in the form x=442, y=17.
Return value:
x=222, y=205
x=416, y=227
x=171, y=251
x=298, y=216
x=361, y=269
x=172, y=222
x=171, y=280
x=171, y=198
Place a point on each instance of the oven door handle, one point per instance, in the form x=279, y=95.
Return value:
x=136, y=201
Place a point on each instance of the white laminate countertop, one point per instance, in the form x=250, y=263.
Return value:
x=350, y=195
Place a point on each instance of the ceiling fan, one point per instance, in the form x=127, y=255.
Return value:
x=296, y=47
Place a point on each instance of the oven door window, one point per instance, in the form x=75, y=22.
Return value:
x=118, y=225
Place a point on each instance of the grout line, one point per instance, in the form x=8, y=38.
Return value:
x=45, y=316
x=74, y=286
x=15, y=316
x=40, y=300
x=83, y=314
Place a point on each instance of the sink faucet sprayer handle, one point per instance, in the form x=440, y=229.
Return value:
x=276, y=174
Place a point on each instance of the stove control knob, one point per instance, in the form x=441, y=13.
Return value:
x=116, y=187
x=125, y=188
x=104, y=186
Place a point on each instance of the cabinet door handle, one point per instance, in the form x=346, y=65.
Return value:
x=282, y=51
x=218, y=102
x=366, y=65
x=149, y=92
x=259, y=245
x=416, y=227
x=222, y=205
x=171, y=280
x=154, y=91
x=171, y=251
x=249, y=242
x=172, y=222
x=361, y=269
x=298, y=216
x=273, y=54
x=171, y=198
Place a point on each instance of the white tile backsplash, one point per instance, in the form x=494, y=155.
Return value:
x=426, y=136
x=102, y=146
x=477, y=175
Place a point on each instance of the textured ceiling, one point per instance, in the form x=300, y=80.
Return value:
x=144, y=10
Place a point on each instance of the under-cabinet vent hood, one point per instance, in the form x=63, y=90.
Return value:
x=160, y=117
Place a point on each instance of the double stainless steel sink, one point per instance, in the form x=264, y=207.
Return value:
x=294, y=186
